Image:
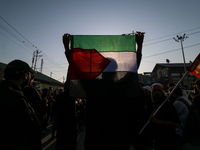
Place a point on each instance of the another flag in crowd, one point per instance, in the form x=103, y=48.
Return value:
x=195, y=67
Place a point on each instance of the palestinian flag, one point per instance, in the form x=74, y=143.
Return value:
x=104, y=58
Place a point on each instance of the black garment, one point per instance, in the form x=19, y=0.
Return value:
x=66, y=122
x=107, y=108
x=44, y=118
x=143, y=107
x=197, y=100
x=192, y=95
x=20, y=127
x=136, y=120
x=35, y=101
x=165, y=137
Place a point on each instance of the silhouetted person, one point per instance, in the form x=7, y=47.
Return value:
x=35, y=99
x=66, y=120
x=107, y=106
x=165, y=122
x=44, y=96
x=20, y=127
x=196, y=96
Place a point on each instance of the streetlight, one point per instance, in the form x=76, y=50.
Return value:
x=181, y=39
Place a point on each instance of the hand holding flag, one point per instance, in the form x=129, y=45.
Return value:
x=139, y=41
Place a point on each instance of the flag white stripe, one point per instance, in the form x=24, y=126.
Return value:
x=121, y=61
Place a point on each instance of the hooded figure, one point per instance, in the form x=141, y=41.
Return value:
x=165, y=121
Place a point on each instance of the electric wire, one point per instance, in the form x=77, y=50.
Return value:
x=174, y=34
x=15, y=43
x=168, y=39
x=22, y=41
x=14, y=35
x=16, y=31
x=56, y=64
x=172, y=50
x=61, y=68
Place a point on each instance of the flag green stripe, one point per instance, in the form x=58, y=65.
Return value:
x=104, y=43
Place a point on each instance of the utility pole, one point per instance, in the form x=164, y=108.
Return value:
x=41, y=65
x=37, y=58
x=33, y=59
x=51, y=74
x=181, y=39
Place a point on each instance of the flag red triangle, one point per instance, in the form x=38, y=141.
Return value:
x=86, y=64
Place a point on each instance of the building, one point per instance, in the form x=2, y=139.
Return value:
x=173, y=72
x=147, y=78
x=42, y=80
x=165, y=73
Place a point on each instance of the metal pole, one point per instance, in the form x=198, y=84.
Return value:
x=184, y=63
x=164, y=101
x=36, y=60
x=33, y=59
x=181, y=38
x=183, y=55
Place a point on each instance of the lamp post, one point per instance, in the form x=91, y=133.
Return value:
x=181, y=39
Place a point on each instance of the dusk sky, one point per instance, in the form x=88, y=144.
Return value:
x=26, y=26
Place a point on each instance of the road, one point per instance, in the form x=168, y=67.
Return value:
x=48, y=144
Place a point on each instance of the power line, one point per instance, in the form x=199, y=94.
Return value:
x=157, y=42
x=14, y=35
x=15, y=42
x=193, y=33
x=172, y=50
x=168, y=39
x=20, y=40
x=174, y=34
x=56, y=64
x=63, y=64
x=16, y=31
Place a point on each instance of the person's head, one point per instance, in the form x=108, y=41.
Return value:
x=67, y=85
x=197, y=84
x=55, y=92
x=147, y=90
x=157, y=93
x=170, y=84
x=140, y=84
x=50, y=89
x=191, y=86
x=18, y=72
x=32, y=76
x=60, y=91
x=45, y=92
x=177, y=93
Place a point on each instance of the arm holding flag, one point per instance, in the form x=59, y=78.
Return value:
x=172, y=124
x=139, y=41
x=66, y=41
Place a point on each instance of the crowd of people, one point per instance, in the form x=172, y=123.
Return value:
x=112, y=123
x=26, y=112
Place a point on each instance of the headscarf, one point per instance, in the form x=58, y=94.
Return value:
x=157, y=86
x=147, y=88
